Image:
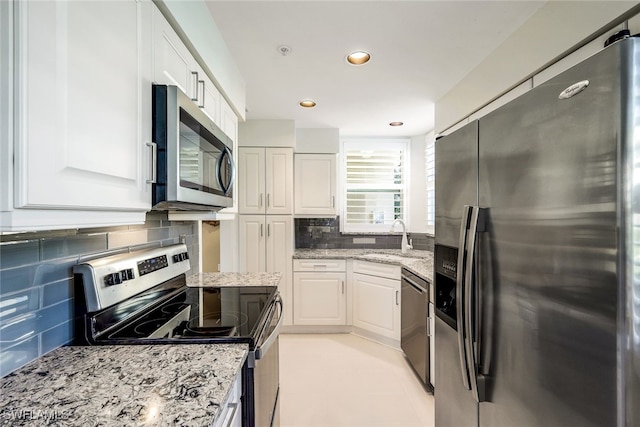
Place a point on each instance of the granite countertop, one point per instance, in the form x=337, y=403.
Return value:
x=234, y=279
x=417, y=261
x=133, y=385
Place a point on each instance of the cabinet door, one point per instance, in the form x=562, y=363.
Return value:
x=279, y=255
x=173, y=64
x=228, y=120
x=315, y=184
x=279, y=180
x=83, y=105
x=250, y=180
x=319, y=299
x=376, y=305
x=252, y=243
x=208, y=98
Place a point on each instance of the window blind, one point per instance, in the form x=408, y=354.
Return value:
x=374, y=185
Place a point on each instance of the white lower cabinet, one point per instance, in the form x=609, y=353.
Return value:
x=266, y=245
x=319, y=292
x=231, y=411
x=376, y=298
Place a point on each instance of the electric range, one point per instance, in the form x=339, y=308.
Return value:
x=141, y=297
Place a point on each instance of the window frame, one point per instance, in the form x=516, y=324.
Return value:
x=378, y=144
x=430, y=177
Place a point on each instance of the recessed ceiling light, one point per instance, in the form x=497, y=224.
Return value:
x=396, y=124
x=307, y=103
x=358, y=57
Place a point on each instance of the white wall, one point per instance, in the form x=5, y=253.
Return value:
x=318, y=141
x=417, y=221
x=554, y=30
x=267, y=133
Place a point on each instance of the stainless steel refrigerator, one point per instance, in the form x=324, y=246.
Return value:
x=537, y=257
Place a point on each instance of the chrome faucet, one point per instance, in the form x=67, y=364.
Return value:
x=405, y=246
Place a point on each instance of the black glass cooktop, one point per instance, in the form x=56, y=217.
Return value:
x=186, y=314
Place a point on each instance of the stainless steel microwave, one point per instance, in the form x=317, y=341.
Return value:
x=194, y=158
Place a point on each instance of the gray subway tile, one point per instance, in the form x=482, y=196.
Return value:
x=18, y=303
x=14, y=254
x=56, y=337
x=54, y=315
x=18, y=355
x=54, y=271
x=19, y=328
x=56, y=292
x=74, y=245
x=17, y=279
x=157, y=234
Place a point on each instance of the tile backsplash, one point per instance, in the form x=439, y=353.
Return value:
x=36, y=279
x=324, y=233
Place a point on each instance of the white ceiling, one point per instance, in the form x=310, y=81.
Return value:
x=419, y=49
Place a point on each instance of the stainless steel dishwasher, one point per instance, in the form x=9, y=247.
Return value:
x=415, y=324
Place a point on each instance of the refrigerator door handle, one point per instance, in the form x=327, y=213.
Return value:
x=470, y=301
x=460, y=285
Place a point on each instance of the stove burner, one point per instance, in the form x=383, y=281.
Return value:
x=209, y=331
x=145, y=329
x=173, y=308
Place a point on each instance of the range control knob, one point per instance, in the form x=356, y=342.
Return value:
x=112, y=279
x=127, y=274
x=180, y=257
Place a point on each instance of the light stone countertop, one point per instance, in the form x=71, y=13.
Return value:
x=234, y=279
x=132, y=385
x=417, y=261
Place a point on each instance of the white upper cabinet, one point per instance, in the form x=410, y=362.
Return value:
x=173, y=64
x=265, y=180
x=315, y=185
x=82, y=114
x=228, y=120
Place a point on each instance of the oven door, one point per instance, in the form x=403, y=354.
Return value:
x=263, y=371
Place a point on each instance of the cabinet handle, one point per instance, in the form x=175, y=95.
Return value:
x=343, y=287
x=202, y=103
x=397, y=295
x=195, y=74
x=261, y=230
x=428, y=326
x=268, y=199
x=319, y=265
x=260, y=200
x=333, y=201
x=268, y=230
x=153, y=170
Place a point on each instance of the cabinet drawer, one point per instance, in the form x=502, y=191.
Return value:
x=389, y=271
x=320, y=265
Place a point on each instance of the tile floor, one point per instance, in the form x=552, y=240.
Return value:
x=340, y=380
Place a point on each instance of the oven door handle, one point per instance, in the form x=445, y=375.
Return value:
x=260, y=350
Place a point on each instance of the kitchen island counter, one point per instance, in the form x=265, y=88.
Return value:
x=233, y=279
x=184, y=384
x=417, y=261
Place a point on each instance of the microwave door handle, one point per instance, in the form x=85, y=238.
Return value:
x=232, y=165
x=153, y=162
x=460, y=286
x=225, y=187
x=219, y=171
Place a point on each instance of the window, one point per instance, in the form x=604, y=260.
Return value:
x=430, y=172
x=374, y=184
